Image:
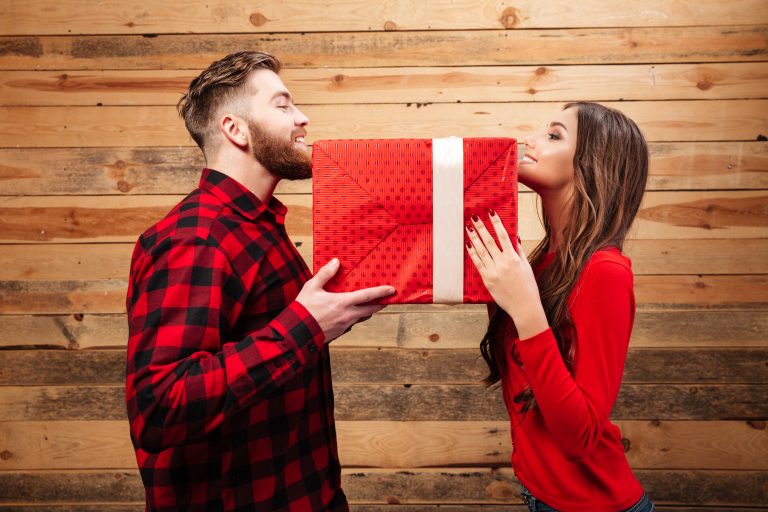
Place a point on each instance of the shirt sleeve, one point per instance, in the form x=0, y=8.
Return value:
x=576, y=407
x=183, y=379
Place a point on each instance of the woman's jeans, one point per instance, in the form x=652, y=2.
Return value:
x=536, y=505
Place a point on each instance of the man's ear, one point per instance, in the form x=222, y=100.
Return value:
x=234, y=129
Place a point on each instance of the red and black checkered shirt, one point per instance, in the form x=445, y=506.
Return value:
x=228, y=381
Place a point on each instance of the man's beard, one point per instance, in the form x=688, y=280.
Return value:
x=280, y=156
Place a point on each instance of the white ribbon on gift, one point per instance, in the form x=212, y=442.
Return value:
x=448, y=220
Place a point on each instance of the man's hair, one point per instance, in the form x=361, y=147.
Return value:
x=222, y=83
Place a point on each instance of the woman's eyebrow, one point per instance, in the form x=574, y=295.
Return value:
x=557, y=123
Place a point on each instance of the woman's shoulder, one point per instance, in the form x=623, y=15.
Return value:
x=607, y=271
x=609, y=255
x=607, y=265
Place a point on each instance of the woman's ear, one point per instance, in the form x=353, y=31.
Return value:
x=234, y=129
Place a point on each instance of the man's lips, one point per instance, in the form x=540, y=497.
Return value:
x=299, y=137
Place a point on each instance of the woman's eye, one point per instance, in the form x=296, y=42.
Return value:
x=553, y=136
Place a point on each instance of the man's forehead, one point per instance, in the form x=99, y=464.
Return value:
x=268, y=84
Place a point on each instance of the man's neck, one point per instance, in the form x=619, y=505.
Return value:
x=249, y=173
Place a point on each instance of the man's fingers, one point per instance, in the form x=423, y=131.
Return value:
x=368, y=294
x=326, y=273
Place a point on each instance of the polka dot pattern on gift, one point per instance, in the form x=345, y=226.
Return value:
x=372, y=209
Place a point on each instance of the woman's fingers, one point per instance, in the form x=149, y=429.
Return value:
x=520, y=251
x=501, y=232
x=486, y=237
x=475, y=259
x=480, y=250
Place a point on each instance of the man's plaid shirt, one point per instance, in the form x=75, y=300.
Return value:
x=228, y=382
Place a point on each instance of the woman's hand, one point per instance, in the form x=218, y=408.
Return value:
x=507, y=275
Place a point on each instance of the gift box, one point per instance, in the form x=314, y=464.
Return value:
x=393, y=212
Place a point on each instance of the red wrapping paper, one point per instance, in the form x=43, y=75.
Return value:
x=372, y=209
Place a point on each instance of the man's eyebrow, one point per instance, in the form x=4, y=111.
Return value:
x=557, y=123
x=284, y=94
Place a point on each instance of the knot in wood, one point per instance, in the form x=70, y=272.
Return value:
x=257, y=19
x=510, y=17
x=626, y=443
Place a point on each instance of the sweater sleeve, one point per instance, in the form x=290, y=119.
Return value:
x=576, y=407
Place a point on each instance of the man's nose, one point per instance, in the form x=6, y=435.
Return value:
x=301, y=119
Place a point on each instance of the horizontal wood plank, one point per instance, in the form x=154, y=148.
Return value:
x=748, y=291
x=46, y=445
x=728, y=43
x=449, y=328
x=142, y=126
x=58, y=262
x=235, y=16
x=144, y=171
x=400, y=366
x=388, y=487
x=663, y=215
x=428, y=402
x=473, y=84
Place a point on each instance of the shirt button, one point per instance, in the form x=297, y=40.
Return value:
x=312, y=347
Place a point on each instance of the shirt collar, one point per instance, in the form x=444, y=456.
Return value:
x=239, y=198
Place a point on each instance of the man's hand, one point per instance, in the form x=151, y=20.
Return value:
x=337, y=312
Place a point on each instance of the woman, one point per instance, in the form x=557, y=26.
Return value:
x=558, y=337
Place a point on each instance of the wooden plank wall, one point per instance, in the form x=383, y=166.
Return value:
x=92, y=152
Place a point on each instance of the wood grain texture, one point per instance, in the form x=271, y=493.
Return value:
x=196, y=16
x=659, y=45
x=58, y=262
x=46, y=297
x=390, y=487
x=398, y=366
x=46, y=445
x=471, y=84
x=148, y=171
x=418, y=402
x=143, y=126
x=92, y=152
x=663, y=215
x=413, y=328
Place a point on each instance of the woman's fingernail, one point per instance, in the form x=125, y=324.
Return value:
x=468, y=244
x=476, y=218
x=470, y=228
x=518, y=240
x=491, y=212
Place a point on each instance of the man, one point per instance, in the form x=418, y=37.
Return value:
x=228, y=382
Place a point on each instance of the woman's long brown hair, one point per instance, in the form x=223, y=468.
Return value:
x=610, y=173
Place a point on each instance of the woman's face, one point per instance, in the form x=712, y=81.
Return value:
x=548, y=162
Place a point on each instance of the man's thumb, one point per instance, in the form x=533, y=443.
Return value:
x=327, y=272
